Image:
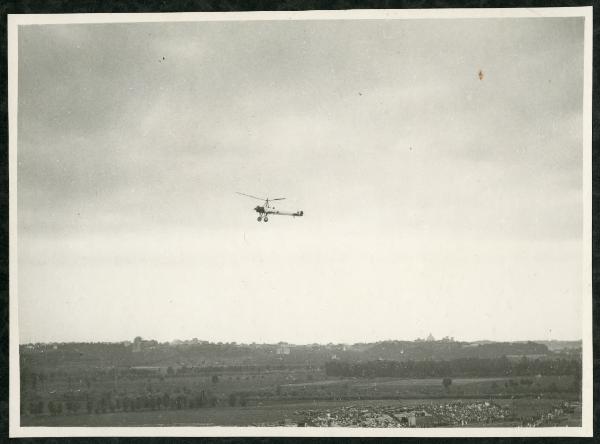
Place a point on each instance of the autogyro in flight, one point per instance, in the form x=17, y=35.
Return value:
x=267, y=209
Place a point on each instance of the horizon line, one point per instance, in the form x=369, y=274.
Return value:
x=446, y=339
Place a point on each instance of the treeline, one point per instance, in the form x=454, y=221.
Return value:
x=463, y=367
x=448, y=350
x=109, y=402
x=90, y=356
x=195, y=370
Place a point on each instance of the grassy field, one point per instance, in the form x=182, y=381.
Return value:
x=316, y=385
x=220, y=416
x=425, y=388
x=274, y=397
x=271, y=413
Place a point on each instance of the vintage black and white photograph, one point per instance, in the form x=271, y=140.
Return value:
x=252, y=223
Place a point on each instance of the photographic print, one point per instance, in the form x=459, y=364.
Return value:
x=342, y=223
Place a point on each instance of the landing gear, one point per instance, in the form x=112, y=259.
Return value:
x=259, y=218
x=266, y=219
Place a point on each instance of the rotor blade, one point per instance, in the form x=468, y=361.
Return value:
x=279, y=198
x=253, y=197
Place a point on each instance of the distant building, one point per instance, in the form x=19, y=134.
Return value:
x=417, y=418
x=423, y=421
x=430, y=338
x=283, y=350
x=140, y=344
x=137, y=344
x=412, y=421
x=404, y=418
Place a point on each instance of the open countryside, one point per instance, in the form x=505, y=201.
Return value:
x=422, y=383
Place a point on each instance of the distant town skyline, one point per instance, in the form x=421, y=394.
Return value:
x=438, y=164
x=184, y=341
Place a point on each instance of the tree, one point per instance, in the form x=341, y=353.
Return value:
x=51, y=408
x=446, y=382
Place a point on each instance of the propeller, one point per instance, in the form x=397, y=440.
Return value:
x=253, y=197
x=260, y=198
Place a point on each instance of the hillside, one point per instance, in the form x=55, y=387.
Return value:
x=206, y=355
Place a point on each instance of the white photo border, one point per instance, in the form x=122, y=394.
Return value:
x=16, y=20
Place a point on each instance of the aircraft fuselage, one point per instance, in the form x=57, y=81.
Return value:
x=267, y=210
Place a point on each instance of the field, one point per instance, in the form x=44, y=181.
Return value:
x=231, y=385
x=289, y=413
x=220, y=416
x=291, y=403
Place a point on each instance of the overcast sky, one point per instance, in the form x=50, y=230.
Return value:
x=435, y=201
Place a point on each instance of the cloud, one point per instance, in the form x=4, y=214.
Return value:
x=133, y=139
